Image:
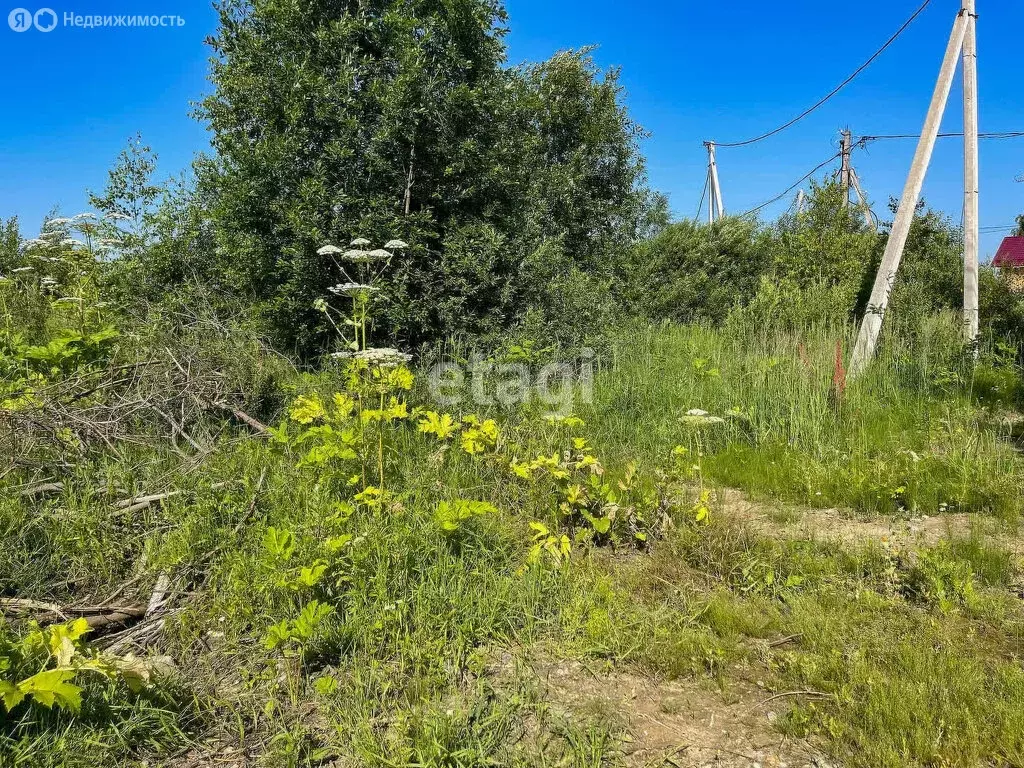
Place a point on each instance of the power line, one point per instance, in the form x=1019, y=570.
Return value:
x=789, y=189
x=700, y=205
x=840, y=87
x=998, y=135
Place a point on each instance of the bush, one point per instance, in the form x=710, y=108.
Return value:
x=693, y=272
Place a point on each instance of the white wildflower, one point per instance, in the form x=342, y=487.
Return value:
x=347, y=289
x=396, y=244
x=72, y=242
x=52, y=223
x=19, y=270
x=355, y=254
x=83, y=216
x=328, y=250
x=359, y=242
x=118, y=217
x=697, y=417
x=48, y=281
x=33, y=243
x=383, y=357
x=380, y=253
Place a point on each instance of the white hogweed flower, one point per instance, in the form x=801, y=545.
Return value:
x=328, y=250
x=347, y=289
x=359, y=242
x=395, y=244
x=384, y=357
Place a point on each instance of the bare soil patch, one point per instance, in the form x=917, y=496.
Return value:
x=678, y=723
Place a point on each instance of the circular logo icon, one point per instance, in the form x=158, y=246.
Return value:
x=20, y=20
x=45, y=20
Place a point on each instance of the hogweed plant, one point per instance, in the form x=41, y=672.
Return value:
x=53, y=320
x=362, y=269
x=338, y=434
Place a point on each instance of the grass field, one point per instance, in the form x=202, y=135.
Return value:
x=730, y=556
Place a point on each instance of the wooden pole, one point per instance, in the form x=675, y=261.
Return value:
x=971, y=176
x=844, y=172
x=871, y=326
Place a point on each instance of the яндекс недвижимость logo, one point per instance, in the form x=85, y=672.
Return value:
x=22, y=19
x=46, y=20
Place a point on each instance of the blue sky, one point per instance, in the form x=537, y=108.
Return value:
x=692, y=70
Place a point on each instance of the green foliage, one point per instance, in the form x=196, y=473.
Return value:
x=41, y=665
x=497, y=177
x=129, y=202
x=451, y=515
x=931, y=272
x=696, y=273
x=827, y=244
x=939, y=579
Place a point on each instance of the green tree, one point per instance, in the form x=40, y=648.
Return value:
x=129, y=201
x=390, y=119
x=930, y=276
x=828, y=244
x=694, y=272
x=1019, y=231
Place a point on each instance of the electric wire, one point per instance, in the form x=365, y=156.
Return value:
x=836, y=90
x=700, y=205
x=997, y=135
x=789, y=189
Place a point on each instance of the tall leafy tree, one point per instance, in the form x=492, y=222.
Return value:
x=389, y=119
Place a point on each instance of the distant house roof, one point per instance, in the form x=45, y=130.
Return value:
x=1010, y=253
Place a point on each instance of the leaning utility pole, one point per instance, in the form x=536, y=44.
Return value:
x=869, y=217
x=971, y=174
x=867, y=339
x=845, y=177
x=715, y=205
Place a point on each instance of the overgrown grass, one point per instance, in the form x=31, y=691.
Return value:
x=913, y=655
x=908, y=438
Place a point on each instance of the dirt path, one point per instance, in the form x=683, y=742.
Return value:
x=693, y=723
x=780, y=520
x=678, y=723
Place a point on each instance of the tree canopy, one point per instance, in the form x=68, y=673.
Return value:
x=334, y=120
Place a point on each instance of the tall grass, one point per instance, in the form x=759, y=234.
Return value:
x=907, y=437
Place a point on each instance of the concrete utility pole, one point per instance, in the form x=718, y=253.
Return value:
x=971, y=176
x=844, y=172
x=716, y=209
x=867, y=339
